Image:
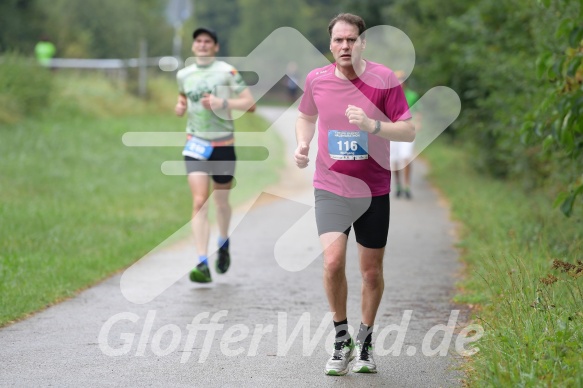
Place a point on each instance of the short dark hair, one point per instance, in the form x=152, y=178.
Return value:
x=349, y=18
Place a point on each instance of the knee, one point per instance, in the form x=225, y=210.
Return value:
x=373, y=276
x=199, y=204
x=222, y=203
x=333, y=267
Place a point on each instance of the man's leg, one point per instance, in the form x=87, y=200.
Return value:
x=395, y=173
x=335, y=285
x=407, y=173
x=395, y=166
x=334, y=218
x=221, y=194
x=199, y=187
x=407, y=151
x=371, y=231
x=373, y=284
x=334, y=245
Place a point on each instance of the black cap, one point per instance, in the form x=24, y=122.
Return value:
x=203, y=30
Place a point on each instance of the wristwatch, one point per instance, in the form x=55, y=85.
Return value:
x=225, y=103
x=377, y=127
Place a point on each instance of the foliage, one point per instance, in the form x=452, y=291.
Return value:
x=25, y=88
x=21, y=24
x=108, y=28
x=86, y=29
x=518, y=124
x=113, y=29
x=524, y=269
x=310, y=18
x=222, y=16
x=557, y=123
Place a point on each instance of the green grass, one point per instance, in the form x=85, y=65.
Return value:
x=76, y=205
x=531, y=311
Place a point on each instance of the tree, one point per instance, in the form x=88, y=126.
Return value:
x=557, y=122
x=222, y=16
x=107, y=28
x=21, y=25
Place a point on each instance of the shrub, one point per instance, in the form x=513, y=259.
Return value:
x=25, y=87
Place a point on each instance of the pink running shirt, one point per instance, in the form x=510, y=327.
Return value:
x=378, y=92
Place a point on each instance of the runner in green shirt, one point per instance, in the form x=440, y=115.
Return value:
x=208, y=90
x=45, y=51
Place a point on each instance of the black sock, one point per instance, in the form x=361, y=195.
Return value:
x=364, y=334
x=341, y=330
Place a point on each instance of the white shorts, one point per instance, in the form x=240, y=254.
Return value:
x=401, y=151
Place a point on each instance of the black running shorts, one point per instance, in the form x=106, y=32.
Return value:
x=370, y=217
x=220, y=165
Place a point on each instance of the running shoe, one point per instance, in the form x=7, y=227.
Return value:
x=337, y=365
x=201, y=273
x=223, y=260
x=364, y=360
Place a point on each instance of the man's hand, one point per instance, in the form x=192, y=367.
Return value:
x=357, y=117
x=211, y=102
x=180, y=107
x=301, y=155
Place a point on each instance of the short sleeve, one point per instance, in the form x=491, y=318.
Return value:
x=236, y=82
x=396, y=107
x=307, y=104
x=180, y=83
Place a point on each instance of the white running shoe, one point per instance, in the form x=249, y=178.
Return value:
x=337, y=365
x=364, y=360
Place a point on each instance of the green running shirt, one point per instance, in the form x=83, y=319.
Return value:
x=194, y=81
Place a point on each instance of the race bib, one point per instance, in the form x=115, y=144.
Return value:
x=347, y=145
x=198, y=148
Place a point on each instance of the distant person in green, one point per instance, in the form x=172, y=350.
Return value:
x=45, y=51
x=401, y=152
x=208, y=90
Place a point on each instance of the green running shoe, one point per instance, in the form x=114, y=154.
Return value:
x=337, y=365
x=201, y=274
x=223, y=260
x=364, y=361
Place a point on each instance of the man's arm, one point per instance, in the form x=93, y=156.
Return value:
x=397, y=131
x=181, y=105
x=305, y=129
x=244, y=102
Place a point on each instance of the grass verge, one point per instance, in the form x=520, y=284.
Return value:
x=77, y=205
x=524, y=276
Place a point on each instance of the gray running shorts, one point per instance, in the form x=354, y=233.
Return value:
x=369, y=216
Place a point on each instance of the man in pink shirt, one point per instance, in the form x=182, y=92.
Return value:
x=360, y=107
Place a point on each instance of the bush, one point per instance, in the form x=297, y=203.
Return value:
x=25, y=87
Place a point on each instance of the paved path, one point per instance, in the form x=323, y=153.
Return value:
x=100, y=338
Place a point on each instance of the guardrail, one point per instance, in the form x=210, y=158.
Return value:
x=120, y=67
x=73, y=63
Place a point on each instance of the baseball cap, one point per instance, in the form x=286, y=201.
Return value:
x=203, y=30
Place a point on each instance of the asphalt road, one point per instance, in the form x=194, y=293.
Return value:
x=271, y=323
